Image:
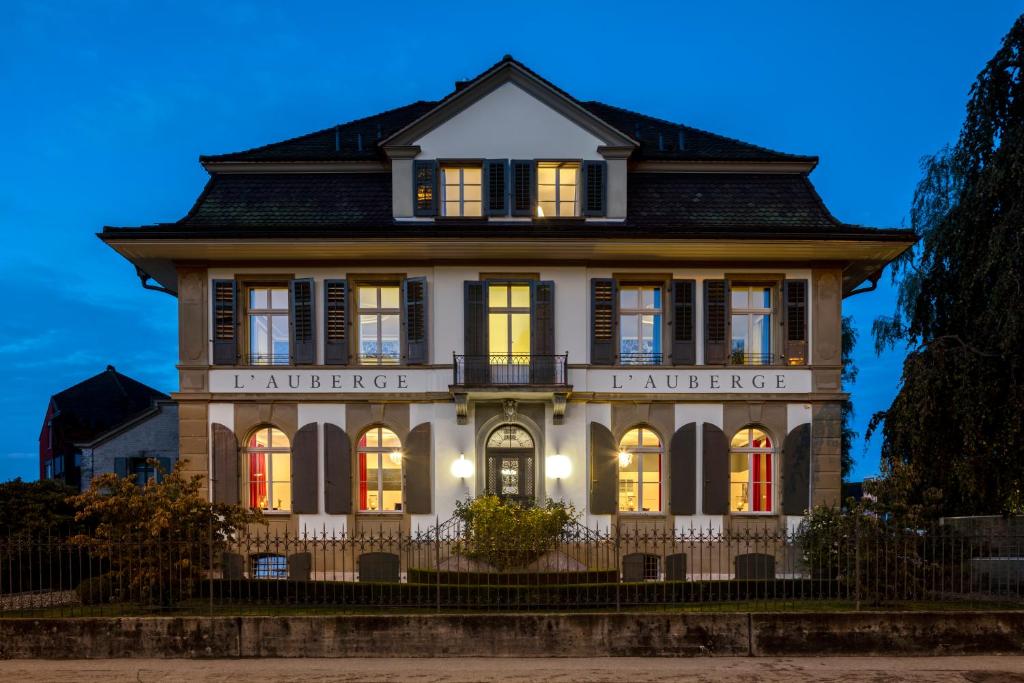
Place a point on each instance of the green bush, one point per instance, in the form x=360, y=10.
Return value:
x=507, y=535
x=96, y=590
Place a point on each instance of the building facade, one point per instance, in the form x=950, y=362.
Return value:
x=511, y=291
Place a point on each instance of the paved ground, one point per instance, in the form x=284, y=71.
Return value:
x=748, y=670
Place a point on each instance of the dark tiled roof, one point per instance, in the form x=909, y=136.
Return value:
x=101, y=403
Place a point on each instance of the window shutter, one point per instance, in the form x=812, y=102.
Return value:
x=476, y=368
x=795, y=320
x=604, y=471
x=337, y=471
x=716, y=322
x=496, y=187
x=336, y=322
x=225, y=322
x=121, y=467
x=299, y=566
x=225, y=465
x=425, y=201
x=304, y=470
x=301, y=322
x=682, y=471
x=415, y=320
x=165, y=467
x=715, y=463
x=416, y=470
x=603, y=320
x=232, y=566
x=595, y=188
x=684, y=339
x=796, y=471
x=524, y=187
x=542, y=332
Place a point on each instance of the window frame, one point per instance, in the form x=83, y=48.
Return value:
x=558, y=165
x=443, y=167
x=508, y=311
x=276, y=571
x=624, y=283
x=772, y=313
x=249, y=312
x=357, y=313
x=381, y=452
x=270, y=481
x=637, y=452
x=773, y=479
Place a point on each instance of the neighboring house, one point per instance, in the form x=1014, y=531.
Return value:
x=516, y=292
x=108, y=423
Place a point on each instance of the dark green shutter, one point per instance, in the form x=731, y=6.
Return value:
x=496, y=184
x=796, y=471
x=604, y=471
x=416, y=470
x=542, y=332
x=121, y=467
x=225, y=322
x=524, y=187
x=336, y=305
x=415, y=296
x=476, y=369
x=337, y=471
x=603, y=320
x=595, y=188
x=225, y=465
x=299, y=566
x=304, y=470
x=715, y=462
x=682, y=471
x=794, y=297
x=684, y=338
x=425, y=199
x=301, y=320
x=716, y=322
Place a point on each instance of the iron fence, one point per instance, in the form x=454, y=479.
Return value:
x=629, y=566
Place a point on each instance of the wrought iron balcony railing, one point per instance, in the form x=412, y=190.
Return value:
x=744, y=358
x=510, y=369
x=267, y=359
x=640, y=358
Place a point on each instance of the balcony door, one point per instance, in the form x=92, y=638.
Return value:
x=511, y=464
x=508, y=332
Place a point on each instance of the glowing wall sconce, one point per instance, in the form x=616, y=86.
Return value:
x=558, y=466
x=462, y=468
x=625, y=458
x=395, y=457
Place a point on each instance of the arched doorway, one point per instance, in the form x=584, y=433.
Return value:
x=511, y=464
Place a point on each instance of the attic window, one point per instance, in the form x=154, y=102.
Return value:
x=462, y=191
x=556, y=189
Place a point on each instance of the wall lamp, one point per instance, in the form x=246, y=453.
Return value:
x=558, y=466
x=462, y=468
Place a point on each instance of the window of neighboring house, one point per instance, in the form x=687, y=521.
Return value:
x=751, y=473
x=48, y=468
x=143, y=469
x=751, y=307
x=556, y=189
x=640, y=324
x=269, y=566
x=379, y=457
x=268, y=461
x=462, y=191
x=640, y=471
x=508, y=329
x=379, y=323
x=268, y=325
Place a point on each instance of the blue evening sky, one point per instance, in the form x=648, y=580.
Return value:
x=106, y=106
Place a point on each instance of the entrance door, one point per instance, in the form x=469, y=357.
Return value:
x=511, y=464
x=508, y=332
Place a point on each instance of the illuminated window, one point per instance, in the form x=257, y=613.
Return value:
x=269, y=566
x=640, y=471
x=379, y=320
x=462, y=188
x=268, y=325
x=380, y=471
x=751, y=473
x=640, y=331
x=556, y=189
x=508, y=328
x=751, y=324
x=269, y=465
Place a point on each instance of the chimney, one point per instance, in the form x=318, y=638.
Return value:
x=459, y=85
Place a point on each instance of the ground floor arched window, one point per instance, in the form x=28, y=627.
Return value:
x=379, y=459
x=640, y=471
x=268, y=464
x=751, y=471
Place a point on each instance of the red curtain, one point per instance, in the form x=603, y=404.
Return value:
x=762, y=476
x=362, y=473
x=258, y=480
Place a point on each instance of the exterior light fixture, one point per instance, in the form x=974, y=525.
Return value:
x=625, y=458
x=395, y=457
x=462, y=468
x=558, y=466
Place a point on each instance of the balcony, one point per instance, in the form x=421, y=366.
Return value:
x=510, y=370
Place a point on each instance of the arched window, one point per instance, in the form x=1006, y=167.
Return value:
x=640, y=471
x=751, y=471
x=268, y=463
x=380, y=471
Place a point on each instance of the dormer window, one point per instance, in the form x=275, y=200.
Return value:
x=462, y=193
x=556, y=189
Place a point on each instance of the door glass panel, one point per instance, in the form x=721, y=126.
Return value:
x=498, y=333
x=510, y=476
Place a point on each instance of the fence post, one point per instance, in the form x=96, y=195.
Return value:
x=618, y=573
x=437, y=558
x=856, y=561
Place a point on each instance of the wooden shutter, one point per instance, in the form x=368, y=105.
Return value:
x=595, y=188
x=604, y=471
x=232, y=566
x=225, y=465
x=425, y=201
x=542, y=332
x=302, y=322
x=715, y=462
x=794, y=296
x=524, y=187
x=684, y=338
x=299, y=566
x=496, y=187
x=476, y=368
x=304, y=470
x=337, y=471
x=716, y=322
x=121, y=467
x=416, y=470
x=603, y=320
x=336, y=322
x=796, y=471
x=415, y=295
x=164, y=467
x=682, y=471
x=225, y=322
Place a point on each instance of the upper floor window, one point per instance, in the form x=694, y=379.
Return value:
x=379, y=324
x=751, y=471
x=462, y=189
x=640, y=471
x=751, y=324
x=379, y=457
x=268, y=325
x=268, y=461
x=640, y=324
x=556, y=189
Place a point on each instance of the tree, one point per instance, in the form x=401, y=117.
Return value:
x=849, y=376
x=955, y=426
x=36, y=508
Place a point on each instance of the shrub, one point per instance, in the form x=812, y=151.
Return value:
x=508, y=535
x=97, y=590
